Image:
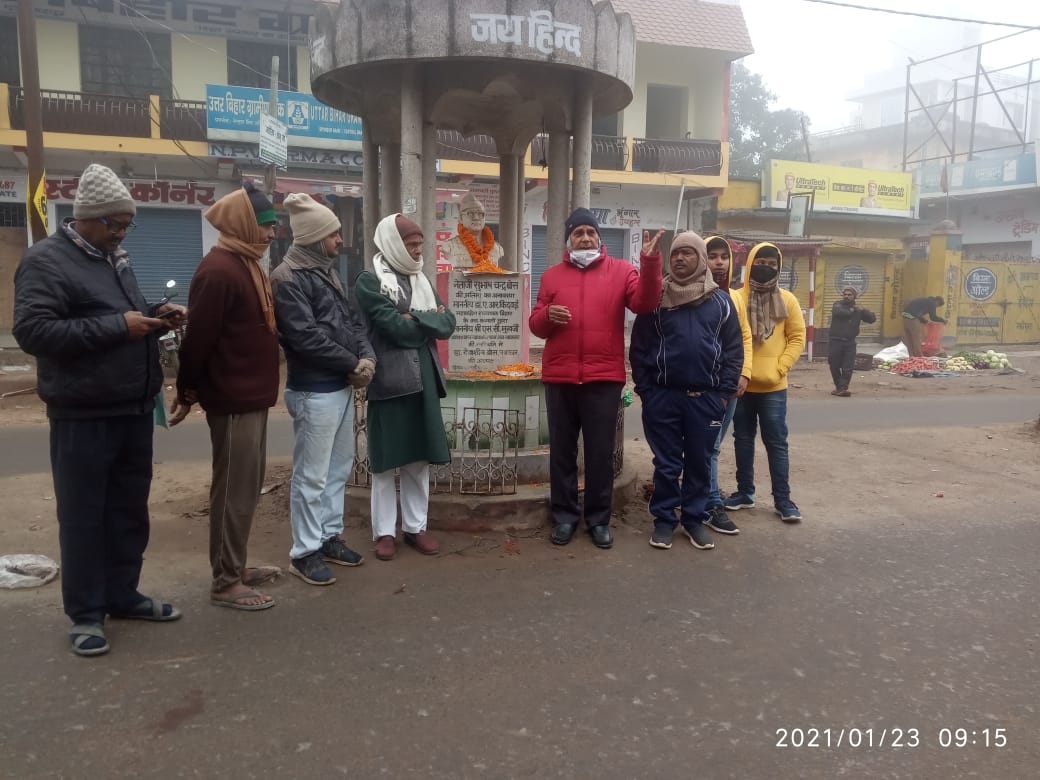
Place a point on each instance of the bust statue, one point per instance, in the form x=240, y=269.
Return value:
x=474, y=246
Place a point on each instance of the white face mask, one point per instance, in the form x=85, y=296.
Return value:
x=583, y=258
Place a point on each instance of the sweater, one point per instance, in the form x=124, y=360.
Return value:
x=591, y=347
x=773, y=358
x=845, y=320
x=228, y=356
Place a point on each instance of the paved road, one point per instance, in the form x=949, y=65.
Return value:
x=25, y=449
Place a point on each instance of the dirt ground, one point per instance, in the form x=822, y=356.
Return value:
x=883, y=470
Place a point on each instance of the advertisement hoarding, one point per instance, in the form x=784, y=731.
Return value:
x=841, y=189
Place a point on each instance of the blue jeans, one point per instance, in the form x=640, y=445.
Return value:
x=715, y=496
x=768, y=410
x=323, y=456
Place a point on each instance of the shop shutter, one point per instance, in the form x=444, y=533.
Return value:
x=847, y=270
x=615, y=239
x=167, y=244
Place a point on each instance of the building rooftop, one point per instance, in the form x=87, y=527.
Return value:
x=701, y=24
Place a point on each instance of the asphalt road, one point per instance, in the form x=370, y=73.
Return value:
x=25, y=448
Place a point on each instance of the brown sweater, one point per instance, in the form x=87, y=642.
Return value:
x=229, y=356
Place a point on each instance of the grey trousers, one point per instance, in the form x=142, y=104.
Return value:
x=239, y=461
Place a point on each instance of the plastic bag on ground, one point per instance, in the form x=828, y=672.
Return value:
x=895, y=352
x=26, y=571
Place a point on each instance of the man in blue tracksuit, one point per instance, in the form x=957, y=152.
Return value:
x=686, y=360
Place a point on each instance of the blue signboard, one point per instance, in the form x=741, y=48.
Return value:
x=980, y=284
x=233, y=114
x=984, y=174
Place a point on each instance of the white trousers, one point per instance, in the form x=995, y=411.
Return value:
x=415, y=499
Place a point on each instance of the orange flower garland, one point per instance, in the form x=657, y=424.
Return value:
x=482, y=262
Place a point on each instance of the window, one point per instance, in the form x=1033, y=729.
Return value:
x=665, y=111
x=606, y=125
x=116, y=61
x=249, y=65
x=9, y=70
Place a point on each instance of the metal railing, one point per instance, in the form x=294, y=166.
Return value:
x=453, y=145
x=182, y=120
x=651, y=155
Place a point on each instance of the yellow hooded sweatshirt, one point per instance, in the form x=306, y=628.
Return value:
x=773, y=358
x=741, y=306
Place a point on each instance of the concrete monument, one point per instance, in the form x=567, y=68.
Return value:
x=474, y=246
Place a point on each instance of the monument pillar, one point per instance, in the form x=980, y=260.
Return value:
x=370, y=205
x=429, y=199
x=559, y=202
x=507, y=226
x=389, y=179
x=582, y=194
x=411, y=141
x=521, y=192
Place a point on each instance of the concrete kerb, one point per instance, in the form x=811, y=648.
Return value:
x=525, y=510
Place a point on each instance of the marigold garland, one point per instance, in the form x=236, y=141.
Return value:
x=481, y=255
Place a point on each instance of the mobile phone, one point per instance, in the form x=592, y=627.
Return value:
x=167, y=314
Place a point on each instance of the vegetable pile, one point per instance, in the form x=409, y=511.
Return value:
x=915, y=364
x=961, y=362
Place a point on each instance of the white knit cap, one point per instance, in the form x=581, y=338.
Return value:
x=101, y=194
x=310, y=221
x=468, y=202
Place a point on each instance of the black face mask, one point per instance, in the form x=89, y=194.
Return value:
x=763, y=274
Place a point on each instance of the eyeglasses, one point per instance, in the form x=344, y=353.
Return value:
x=117, y=227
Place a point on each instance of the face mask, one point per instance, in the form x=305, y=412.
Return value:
x=763, y=274
x=583, y=258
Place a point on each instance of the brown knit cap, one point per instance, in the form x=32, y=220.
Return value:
x=407, y=228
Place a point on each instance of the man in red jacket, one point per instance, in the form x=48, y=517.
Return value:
x=229, y=364
x=581, y=315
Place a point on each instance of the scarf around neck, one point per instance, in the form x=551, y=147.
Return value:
x=692, y=290
x=766, y=308
x=305, y=258
x=392, y=259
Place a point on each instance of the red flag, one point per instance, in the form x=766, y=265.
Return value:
x=944, y=182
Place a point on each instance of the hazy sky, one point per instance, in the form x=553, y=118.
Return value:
x=812, y=55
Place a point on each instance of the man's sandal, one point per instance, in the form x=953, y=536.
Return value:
x=88, y=639
x=151, y=609
x=258, y=575
x=231, y=601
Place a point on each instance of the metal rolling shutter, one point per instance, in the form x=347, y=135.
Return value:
x=871, y=298
x=167, y=244
x=615, y=239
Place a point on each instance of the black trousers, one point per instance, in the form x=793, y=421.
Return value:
x=102, y=476
x=592, y=410
x=841, y=355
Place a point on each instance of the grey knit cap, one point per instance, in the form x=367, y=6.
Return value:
x=101, y=194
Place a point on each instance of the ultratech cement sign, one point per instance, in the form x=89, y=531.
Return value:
x=837, y=188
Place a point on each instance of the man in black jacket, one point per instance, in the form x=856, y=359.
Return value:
x=845, y=319
x=327, y=354
x=79, y=311
x=914, y=321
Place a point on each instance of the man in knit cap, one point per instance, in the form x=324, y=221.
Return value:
x=229, y=365
x=475, y=244
x=79, y=311
x=581, y=315
x=327, y=354
x=405, y=428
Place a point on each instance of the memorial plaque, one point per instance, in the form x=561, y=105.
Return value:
x=488, y=320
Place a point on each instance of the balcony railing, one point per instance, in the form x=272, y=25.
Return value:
x=93, y=114
x=609, y=152
x=453, y=145
x=686, y=156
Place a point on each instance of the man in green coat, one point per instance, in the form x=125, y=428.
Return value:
x=405, y=428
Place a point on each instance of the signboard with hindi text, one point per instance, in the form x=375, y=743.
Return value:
x=841, y=189
x=488, y=320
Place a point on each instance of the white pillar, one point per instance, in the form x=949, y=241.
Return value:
x=507, y=222
x=389, y=179
x=582, y=192
x=428, y=207
x=411, y=142
x=370, y=205
x=559, y=192
x=521, y=192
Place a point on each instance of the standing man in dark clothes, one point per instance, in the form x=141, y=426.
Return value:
x=845, y=319
x=914, y=314
x=229, y=364
x=79, y=311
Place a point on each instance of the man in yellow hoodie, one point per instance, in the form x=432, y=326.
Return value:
x=720, y=264
x=778, y=335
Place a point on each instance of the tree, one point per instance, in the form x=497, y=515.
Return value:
x=756, y=131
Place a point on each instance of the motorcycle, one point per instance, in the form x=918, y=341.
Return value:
x=170, y=342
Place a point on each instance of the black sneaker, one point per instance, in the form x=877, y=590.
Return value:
x=719, y=521
x=335, y=551
x=662, y=537
x=312, y=570
x=739, y=501
x=699, y=536
x=788, y=511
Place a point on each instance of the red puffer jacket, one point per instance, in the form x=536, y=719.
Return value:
x=591, y=347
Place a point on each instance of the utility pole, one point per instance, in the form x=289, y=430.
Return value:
x=805, y=139
x=36, y=180
x=272, y=109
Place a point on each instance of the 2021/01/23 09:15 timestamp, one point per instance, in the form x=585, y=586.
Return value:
x=946, y=737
